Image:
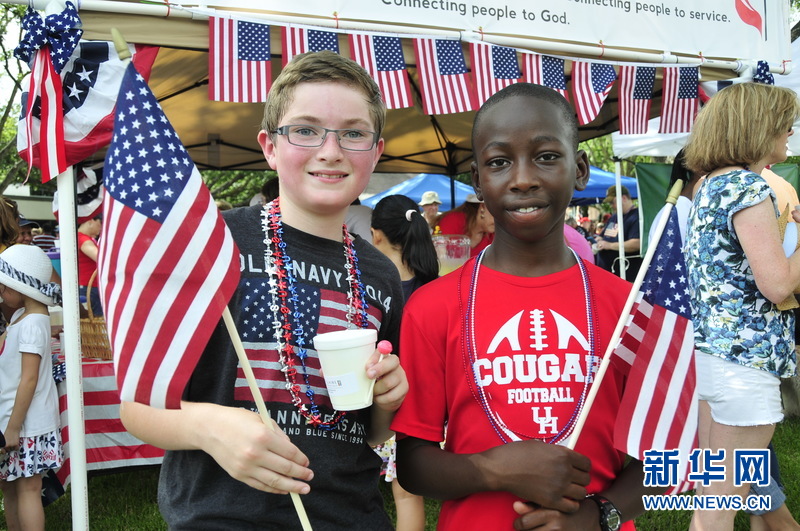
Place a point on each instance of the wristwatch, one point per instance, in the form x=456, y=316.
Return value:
x=610, y=517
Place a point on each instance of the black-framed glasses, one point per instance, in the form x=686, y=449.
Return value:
x=304, y=135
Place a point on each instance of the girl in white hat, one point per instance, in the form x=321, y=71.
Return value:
x=29, y=415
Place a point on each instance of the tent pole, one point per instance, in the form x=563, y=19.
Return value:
x=620, y=224
x=72, y=348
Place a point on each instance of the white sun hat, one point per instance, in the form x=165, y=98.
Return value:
x=27, y=269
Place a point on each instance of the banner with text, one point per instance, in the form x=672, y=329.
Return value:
x=729, y=29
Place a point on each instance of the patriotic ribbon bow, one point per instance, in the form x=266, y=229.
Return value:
x=763, y=75
x=61, y=31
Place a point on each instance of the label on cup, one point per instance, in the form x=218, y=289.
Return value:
x=342, y=384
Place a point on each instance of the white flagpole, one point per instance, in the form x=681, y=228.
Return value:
x=620, y=225
x=72, y=349
x=625, y=315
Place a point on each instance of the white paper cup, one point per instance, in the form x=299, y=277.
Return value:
x=343, y=356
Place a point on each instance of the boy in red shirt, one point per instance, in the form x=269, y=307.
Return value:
x=506, y=363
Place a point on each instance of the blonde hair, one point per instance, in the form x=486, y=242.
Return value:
x=739, y=126
x=320, y=67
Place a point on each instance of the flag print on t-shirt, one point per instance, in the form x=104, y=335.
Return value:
x=321, y=310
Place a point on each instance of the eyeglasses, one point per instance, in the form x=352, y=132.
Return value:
x=314, y=136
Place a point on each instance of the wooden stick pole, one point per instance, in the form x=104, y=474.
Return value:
x=260, y=405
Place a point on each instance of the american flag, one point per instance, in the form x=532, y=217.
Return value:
x=659, y=406
x=108, y=444
x=90, y=79
x=445, y=83
x=300, y=40
x=46, y=46
x=495, y=67
x=679, y=100
x=323, y=311
x=545, y=70
x=239, y=68
x=168, y=264
x=635, y=96
x=591, y=83
x=382, y=56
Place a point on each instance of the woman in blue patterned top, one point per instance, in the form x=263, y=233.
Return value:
x=738, y=273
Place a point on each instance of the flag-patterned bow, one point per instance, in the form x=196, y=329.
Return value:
x=61, y=31
x=763, y=75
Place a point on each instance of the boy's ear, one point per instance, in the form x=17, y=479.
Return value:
x=476, y=179
x=581, y=170
x=267, y=148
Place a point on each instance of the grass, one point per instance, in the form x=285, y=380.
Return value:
x=126, y=501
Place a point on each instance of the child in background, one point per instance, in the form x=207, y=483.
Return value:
x=398, y=233
x=401, y=232
x=224, y=469
x=502, y=351
x=29, y=416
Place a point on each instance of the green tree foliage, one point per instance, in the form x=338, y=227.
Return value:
x=236, y=187
x=12, y=168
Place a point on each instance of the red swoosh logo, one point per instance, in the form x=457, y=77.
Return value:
x=749, y=15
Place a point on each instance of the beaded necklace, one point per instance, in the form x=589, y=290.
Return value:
x=287, y=324
x=505, y=433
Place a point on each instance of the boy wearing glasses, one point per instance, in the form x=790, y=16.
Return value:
x=302, y=274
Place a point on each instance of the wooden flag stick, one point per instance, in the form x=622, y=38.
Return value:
x=260, y=405
x=672, y=198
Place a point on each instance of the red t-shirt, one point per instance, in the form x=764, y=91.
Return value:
x=86, y=266
x=456, y=223
x=532, y=339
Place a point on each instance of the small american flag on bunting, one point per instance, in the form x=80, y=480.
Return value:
x=635, y=97
x=679, y=100
x=495, y=67
x=239, y=67
x=591, y=83
x=382, y=56
x=168, y=264
x=301, y=40
x=444, y=80
x=545, y=70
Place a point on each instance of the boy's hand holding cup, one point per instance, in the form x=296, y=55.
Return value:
x=343, y=356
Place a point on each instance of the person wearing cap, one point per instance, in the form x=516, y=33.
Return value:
x=88, y=250
x=29, y=415
x=26, y=226
x=471, y=219
x=585, y=229
x=430, y=207
x=608, y=243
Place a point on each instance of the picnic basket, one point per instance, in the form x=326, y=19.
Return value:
x=94, y=337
